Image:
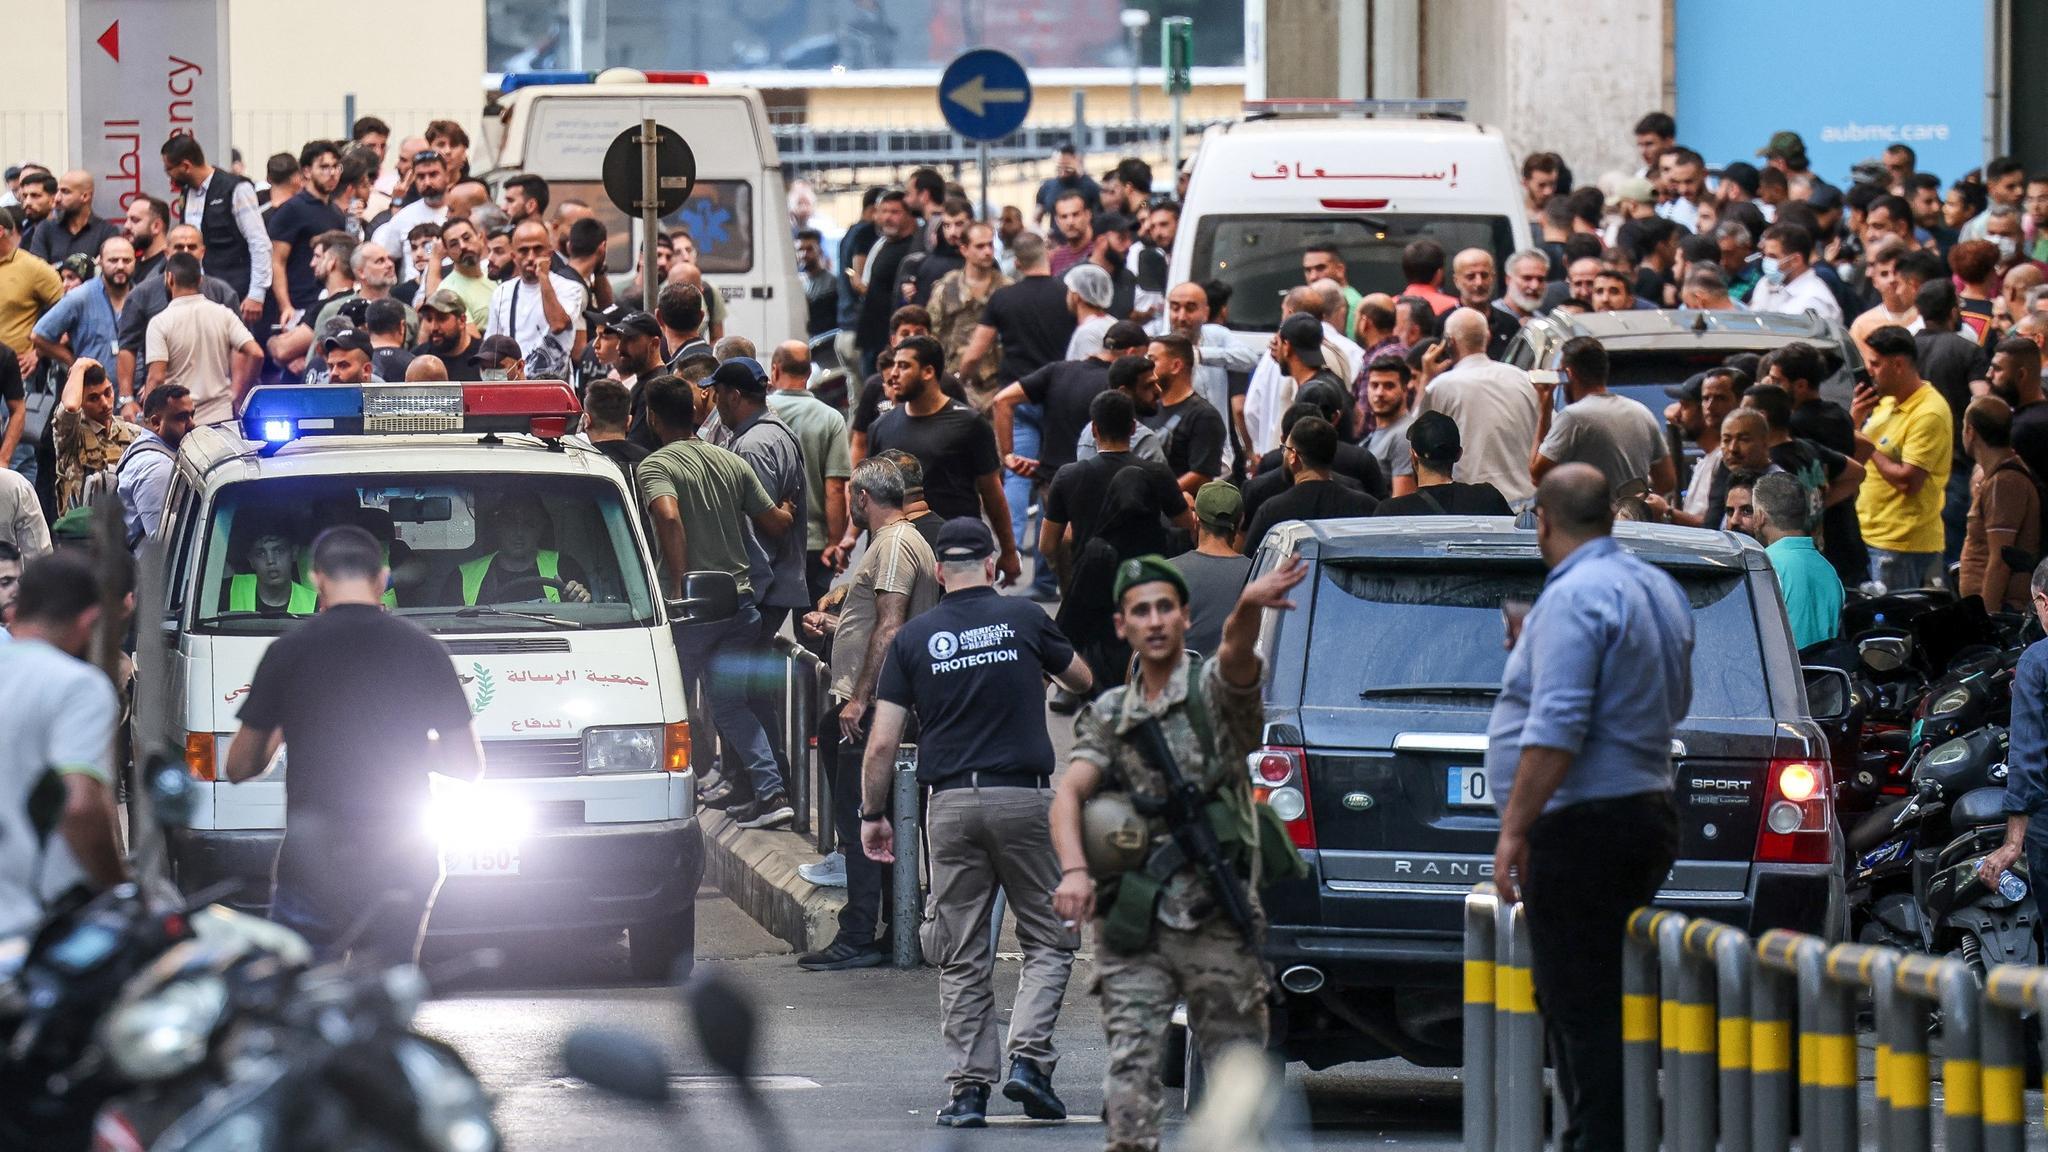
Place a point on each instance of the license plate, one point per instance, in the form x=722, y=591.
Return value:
x=1467, y=787
x=482, y=862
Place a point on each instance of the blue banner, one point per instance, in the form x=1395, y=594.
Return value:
x=1850, y=76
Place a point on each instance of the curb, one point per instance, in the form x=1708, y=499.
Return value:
x=756, y=870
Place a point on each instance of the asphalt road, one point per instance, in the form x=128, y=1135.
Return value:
x=850, y=1061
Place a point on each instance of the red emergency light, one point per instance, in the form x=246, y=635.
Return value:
x=278, y=414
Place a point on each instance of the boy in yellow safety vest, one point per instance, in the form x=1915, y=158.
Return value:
x=268, y=588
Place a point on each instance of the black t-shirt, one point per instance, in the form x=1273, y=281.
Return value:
x=972, y=669
x=296, y=222
x=1949, y=362
x=1272, y=480
x=873, y=400
x=1031, y=320
x=389, y=364
x=1309, y=500
x=624, y=453
x=1194, y=433
x=954, y=446
x=928, y=526
x=1078, y=490
x=882, y=298
x=2029, y=435
x=356, y=692
x=1353, y=461
x=1815, y=466
x=1453, y=499
x=933, y=268
x=1064, y=389
x=1825, y=423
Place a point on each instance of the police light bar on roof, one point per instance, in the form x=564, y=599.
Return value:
x=276, y=414
x=513, y=81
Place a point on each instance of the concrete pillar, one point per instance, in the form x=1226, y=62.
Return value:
x=1300, y=48
x=1396, y=48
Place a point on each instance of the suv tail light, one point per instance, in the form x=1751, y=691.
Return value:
x=1797, y=814
x=1280, y=781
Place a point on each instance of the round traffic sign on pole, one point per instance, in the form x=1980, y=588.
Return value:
x=984, y=94
x=675, y=172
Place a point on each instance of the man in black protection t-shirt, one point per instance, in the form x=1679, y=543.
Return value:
x=368, y=705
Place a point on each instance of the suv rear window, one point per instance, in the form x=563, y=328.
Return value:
x=1437, y=631
x=1261, y=255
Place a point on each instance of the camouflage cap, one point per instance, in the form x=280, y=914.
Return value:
x=1145, y=570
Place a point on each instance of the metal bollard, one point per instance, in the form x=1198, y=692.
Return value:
x=1481, y=910
x=1782, y=1002
x=1925, y=981
x=906, y=909
x=1520, y=1120
x=1849, y=967
x=1670, y=978
x=1639, y=1029
x=1722, y=958
x=2009, y=991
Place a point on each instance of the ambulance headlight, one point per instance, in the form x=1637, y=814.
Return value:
x=465, y=815
x=622, y=750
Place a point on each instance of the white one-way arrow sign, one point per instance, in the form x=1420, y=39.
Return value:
x=976, y=96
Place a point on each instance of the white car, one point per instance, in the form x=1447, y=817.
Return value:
x=586, y=817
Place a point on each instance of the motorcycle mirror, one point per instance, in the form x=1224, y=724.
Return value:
x=619, y=1063
x=824, y=350
x=726, y=1023
x=172, y=793
x=1828, y=693
x=1883, y=653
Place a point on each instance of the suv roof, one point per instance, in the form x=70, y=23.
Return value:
x=1477, y=537
x=1662, y=327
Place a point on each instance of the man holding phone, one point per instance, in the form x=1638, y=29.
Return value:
x=1904, y=441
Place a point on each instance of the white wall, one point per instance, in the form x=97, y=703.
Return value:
x=291, y=62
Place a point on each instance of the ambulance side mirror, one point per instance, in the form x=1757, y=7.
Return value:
x=706, y=596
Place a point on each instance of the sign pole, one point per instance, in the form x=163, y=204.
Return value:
x=1179, y=131
x=982, y=148
x=1177, y=63
x=984, y=96
x=650, y=211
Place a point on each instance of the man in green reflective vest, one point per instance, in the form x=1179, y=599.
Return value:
x=268, y=588
x=520, y=570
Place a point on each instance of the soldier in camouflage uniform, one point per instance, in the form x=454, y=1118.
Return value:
x=1194, y=952
x=89, y=436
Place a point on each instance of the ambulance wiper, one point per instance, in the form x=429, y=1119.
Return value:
x=492, y=610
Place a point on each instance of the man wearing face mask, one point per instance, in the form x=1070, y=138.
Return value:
x=1790, y=283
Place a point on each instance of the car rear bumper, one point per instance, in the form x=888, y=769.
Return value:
x=1352, y=951
x=585, y=876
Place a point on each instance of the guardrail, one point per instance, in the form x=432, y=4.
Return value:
x=1737, y=1044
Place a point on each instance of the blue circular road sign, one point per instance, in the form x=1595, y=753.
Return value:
x=984, y=94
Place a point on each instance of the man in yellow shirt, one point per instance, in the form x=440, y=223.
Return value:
x=1906, y=444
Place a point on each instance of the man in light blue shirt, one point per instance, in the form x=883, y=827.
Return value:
x=143, y=477
x=90, y=314
x=1812, y=590
x=1580, y=744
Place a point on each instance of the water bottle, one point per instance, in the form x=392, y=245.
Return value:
x=2011, y=887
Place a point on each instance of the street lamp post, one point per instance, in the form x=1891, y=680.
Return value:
x=1135, y=20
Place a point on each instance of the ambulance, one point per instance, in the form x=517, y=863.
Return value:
x=557, y=125
x=586, y=816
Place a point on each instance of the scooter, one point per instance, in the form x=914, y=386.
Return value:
x=1884, y=848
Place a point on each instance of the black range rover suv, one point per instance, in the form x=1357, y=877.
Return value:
x=1383, y=680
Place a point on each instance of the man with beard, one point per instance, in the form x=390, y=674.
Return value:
x=430, y=181
x=898, y=238
x=148, y=218
x=957, y=448
x=1219, y=356
x=72, y=229
x=498, y=254
x=1386, y=394
x=87, y=320
x=294, y=225
x=1528, y=272
x=463, y=244
x=540, y=307
x=149, y=464
x=151, y=293
x=446, y=335
x=950, y=254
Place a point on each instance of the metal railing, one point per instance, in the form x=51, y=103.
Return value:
x=1734, y=1044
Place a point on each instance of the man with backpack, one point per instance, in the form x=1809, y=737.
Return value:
x=143, y=476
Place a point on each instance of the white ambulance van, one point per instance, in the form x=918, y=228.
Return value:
x=557, y=125
x=1369, y=177
x=586, y=817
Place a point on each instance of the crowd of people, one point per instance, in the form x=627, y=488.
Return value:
x=1033, y=389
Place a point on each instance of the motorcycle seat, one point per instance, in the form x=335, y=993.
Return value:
x=1977, y=808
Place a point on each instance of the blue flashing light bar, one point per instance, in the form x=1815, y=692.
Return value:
x=275, y=415
x=513, y=81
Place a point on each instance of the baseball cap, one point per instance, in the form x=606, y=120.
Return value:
x=348, y=339
x=1688, y=391
x=1434, y=437
x=444, y=301
x=1784, y=146
x=1635, y=189
x=1741, y=174
x=1091, y=284
x=1219, y=505
x=964, y=538
x=1824, y=197
x=634, y=323
x=1304, y=334
x=498, y=348
x=742, y=374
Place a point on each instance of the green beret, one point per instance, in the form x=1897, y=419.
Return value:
x=1145, y=570
x=73, y=525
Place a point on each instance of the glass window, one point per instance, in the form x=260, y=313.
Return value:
x=719, y=215
x=467, y=553
x=1260, y=256
x=1438, y=632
